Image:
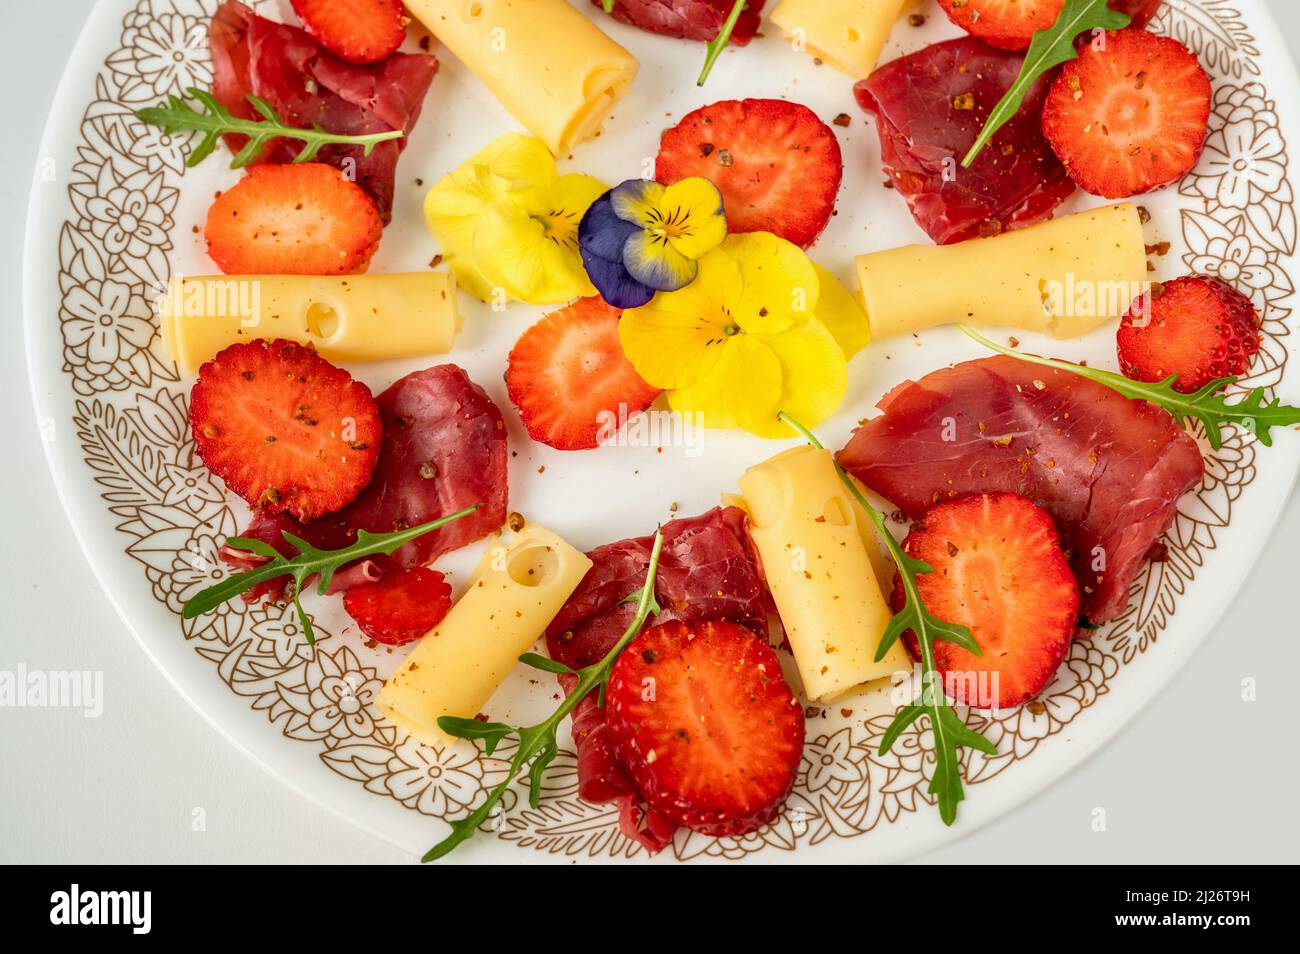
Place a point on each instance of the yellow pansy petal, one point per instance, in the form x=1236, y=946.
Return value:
x=838, y=309
x=669, y=348
x=693, y=217
x=814, y=378
x=673, y=341
x=513, y=252
x=638, y=201
x=524, y=165
x=781, y=286
x=452, y=208
x=743, y=388
x=563, y=207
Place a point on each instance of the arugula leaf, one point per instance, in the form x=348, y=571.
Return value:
x=308, y=562
x=608, y=5
x=538, y=743
x=1252, y=413
x=215, y=120
x=719, y=42
x=950, y=733
x=1049, y=48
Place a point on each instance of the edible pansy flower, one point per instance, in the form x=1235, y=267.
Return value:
x=746, y=340
x=643, y=237
x=508, y=220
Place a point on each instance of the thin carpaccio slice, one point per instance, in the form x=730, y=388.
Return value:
x=707, y=570
x=929, y=107
x=1108, y=469
x=311, y=87
x=444, y=448
x=689, y=19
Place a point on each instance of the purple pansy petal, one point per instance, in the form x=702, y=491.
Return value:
x=602, y=233
x=637, y=201
x=615, y=285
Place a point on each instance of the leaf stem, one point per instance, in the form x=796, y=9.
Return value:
x=719, y=42
x=539, y=741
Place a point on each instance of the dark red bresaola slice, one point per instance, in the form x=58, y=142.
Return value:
x=689, y=19
x=930, y=106
x=1109, y=470
x=443, y=449
x=707, y=570
x=309, y=86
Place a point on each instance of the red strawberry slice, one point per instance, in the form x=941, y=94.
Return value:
x=998, y=569
x=776, y=164
x=1198, y=327
x=284, y=428
x=401, y=607
x=1129, y=115
x=1010, y=24
x=706, y=725
x=569, y=379
x=303, y=219
x=359, y=31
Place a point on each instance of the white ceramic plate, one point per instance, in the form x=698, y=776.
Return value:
x=149, y=517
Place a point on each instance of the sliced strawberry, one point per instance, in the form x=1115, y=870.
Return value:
x=1129, y=115
x=777, y=165
x=1198, y=327
x=298, y=219
x=569, y=379
x=284, y=428
x=998, y=569
x=401, y=607
x=706, y=725
x=359, y=31
x=1010, y=24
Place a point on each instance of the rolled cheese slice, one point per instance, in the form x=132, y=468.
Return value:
x=1063, y=277
x=515, y=592
x=347, y=317
x=847, y=34
x=548, y=64
x=804, y=525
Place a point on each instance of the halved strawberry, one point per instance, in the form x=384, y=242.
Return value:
x=1010, y=24
x=1198, y=327
x=998, y=569
x=1129, y=115
x=359, y=31
x=569, y=379
x=776, y=164
x=401, y=607
x=297, y=219
x=706, y=725
x=284, y=428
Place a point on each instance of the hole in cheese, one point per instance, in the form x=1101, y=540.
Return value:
x=322, y=320
x=836, y=512
x=533, y=566
x=854, y=35
x=473, y=11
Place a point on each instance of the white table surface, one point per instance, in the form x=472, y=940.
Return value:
x=123, y=787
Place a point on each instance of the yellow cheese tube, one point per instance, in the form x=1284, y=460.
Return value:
x=804, y=525
x=512, y=597
x=1063, y=277
x=346, y=317
x=548, y=64
x=847, y=34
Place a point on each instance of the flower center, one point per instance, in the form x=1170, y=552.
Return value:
x=560, y=226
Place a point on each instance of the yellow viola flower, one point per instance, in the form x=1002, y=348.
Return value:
x=508, y=220
x=744, y=340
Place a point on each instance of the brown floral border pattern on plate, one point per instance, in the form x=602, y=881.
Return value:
x=131, y=422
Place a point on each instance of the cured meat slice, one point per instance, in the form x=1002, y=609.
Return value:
x=309, y=86
x=689, y=19
x=707, y=570
x=930, y=106
x=444, y=448
x=1108, y=470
